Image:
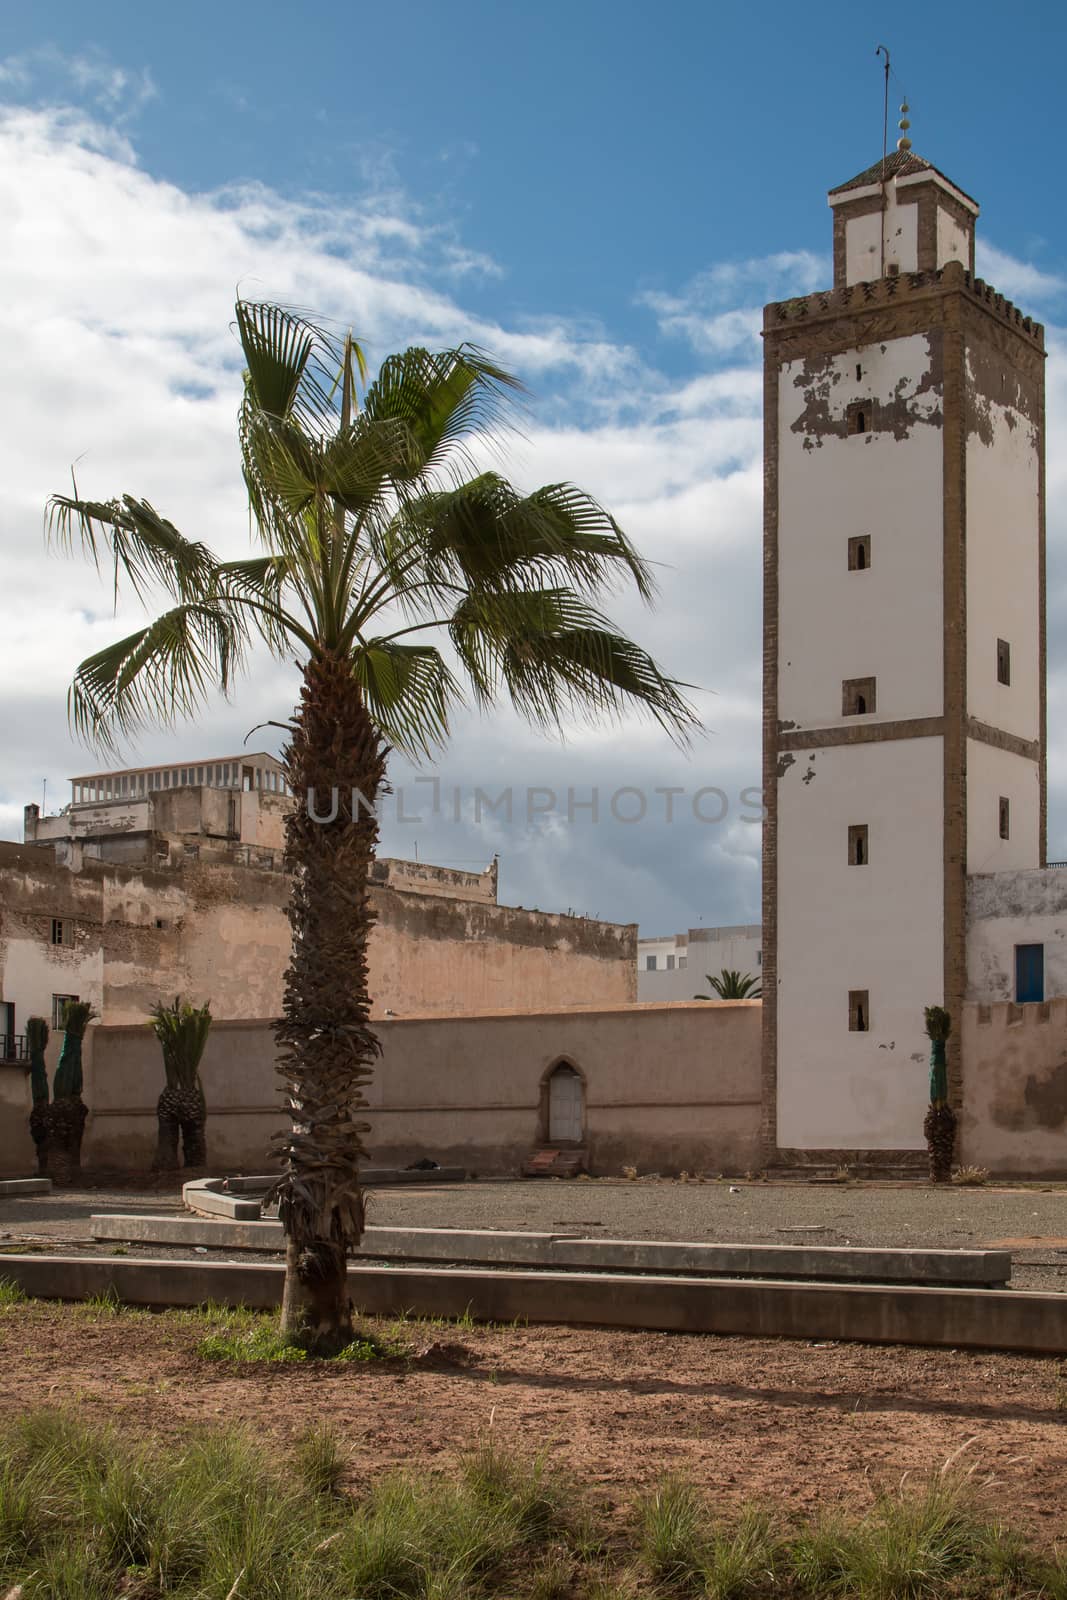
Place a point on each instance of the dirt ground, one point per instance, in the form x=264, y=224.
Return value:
x=801, y=1426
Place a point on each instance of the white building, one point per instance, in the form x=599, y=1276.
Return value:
x=904, y=676
x=676, y=967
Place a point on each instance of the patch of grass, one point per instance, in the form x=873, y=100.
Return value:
x=671, y=1522
x=321, y=1460
x=11, y=1293
x=970, y=1177
x=91, y=1513
x=261, y=1342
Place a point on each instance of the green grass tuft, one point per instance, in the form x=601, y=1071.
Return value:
x=260, y=1342
x=11, y=1293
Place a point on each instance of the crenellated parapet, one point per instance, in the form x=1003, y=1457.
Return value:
x=906, y=287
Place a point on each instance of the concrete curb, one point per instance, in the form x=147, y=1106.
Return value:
x=239, y=1199
x=828, y=1263
x=16, y=1186
x=965, y=1319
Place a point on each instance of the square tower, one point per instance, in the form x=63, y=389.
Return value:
x=904, y=654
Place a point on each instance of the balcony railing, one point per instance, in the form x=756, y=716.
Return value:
x=13, y=1047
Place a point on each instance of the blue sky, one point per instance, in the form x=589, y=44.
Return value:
x=603, y=194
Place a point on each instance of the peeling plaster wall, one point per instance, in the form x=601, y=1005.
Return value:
x=439, y=955
x=833, y=623
x=666, y=1088
x=1009, y=908
x=1015, y=1089
x=1003, y=594
x=219, y=932
x=840, y=927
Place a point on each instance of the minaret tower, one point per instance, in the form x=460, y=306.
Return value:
x=904, y=653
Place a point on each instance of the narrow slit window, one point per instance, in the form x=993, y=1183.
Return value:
x=1004, y=813
x=858, y=845
x=1003, y=661
x=59, y=932
x=857, y=697
x=859, y=1011
x=859, y=552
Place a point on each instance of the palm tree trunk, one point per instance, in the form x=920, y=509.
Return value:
x=326, y=1046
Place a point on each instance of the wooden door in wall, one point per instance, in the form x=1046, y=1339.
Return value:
x=565, y=1097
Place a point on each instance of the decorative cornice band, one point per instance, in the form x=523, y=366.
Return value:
x=1029, y=749
x=862, y=733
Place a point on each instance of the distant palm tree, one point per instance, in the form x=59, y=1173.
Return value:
x=731, y=985
x=375, y=527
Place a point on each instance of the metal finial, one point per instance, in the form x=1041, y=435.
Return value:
x=904, y=143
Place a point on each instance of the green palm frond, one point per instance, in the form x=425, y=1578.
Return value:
x=444, y=398
x=483, y=534
x=182, y=1030
x=557, y=656
x=353, y=519
x=292, y=363
x=161, y=673
x=409, y=691
x=143, y=546
x=731, y=985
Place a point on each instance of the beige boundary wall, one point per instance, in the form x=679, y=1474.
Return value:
x=667, y=1087
x=1015, y=1088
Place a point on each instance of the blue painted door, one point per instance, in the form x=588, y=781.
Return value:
x=1029, y=972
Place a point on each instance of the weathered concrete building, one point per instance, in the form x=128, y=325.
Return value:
x=904, y=679
x=676, y=966
x=143, y=890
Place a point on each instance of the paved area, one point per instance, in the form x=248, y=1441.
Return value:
x=1032, y=1222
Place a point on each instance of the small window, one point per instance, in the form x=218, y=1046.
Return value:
x=860, y=417
x=859, y=1011
x=859, y=372
x=683, y=962
x=1004, y=808
x=650, y=963
x=859, y=553
x=759, y=958
x=160, y=923
x=857, y=697
x=60, y=1003
x=1003, y=661
x=670, y=963
x=858, y=845
x=60, y=931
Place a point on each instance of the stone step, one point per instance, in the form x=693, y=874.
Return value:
x=552, y=1163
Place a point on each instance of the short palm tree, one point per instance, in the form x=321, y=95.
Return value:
x=730, y=985
x=41, y=1114
x=380, y=541
x=68, y=1111
x=182, y=1031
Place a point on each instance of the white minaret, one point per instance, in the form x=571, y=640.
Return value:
x=904, y=653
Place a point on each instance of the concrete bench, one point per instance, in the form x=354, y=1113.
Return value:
x=244, y=1230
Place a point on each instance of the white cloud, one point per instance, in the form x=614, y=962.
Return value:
x=116, y=296
x=1020, y=281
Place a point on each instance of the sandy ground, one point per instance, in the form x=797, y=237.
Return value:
x=804, y=1426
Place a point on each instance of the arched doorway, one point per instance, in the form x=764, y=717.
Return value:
x=566, y=1105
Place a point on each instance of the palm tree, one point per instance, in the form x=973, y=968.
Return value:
x=376, y=529
x=182, y=1032
x=730, y=985
x=68, y=1110
x=40, y=1115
